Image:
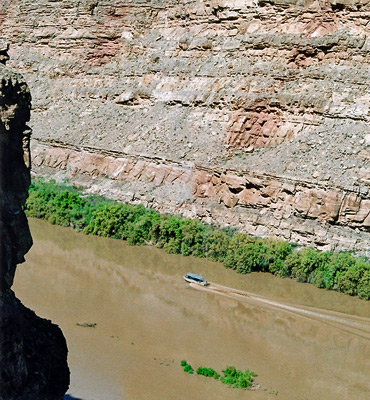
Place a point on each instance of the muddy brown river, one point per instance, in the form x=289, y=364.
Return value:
x=304, y=343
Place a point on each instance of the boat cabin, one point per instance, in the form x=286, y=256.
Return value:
x=193, y=278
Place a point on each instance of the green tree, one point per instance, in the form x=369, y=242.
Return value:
x=304, y=262
x=363, y=287
x=246, y=254
x=326, y=275
x=216, y=244
x=192, y=242
x=277, y=252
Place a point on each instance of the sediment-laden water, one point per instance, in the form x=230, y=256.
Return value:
x=303, y=342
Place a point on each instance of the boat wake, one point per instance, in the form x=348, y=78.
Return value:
x=359, y=326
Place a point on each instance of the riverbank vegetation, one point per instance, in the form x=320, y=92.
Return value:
x=231, y=376
x=64, y=205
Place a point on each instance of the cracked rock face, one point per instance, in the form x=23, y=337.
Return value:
x=33, y=351
x=276, y=91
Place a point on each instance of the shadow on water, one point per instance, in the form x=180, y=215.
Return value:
x=69, y=397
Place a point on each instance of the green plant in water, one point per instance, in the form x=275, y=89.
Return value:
x=231, y=376
x=210, y=372
x=188, y=368
x=237, y=378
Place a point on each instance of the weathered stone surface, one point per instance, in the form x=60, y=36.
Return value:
x=258, y=204
x=274, y=93
x=33, y=351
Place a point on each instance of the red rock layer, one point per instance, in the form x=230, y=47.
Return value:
x=260, y=204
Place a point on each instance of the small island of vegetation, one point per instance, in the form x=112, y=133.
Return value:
x=231, y=376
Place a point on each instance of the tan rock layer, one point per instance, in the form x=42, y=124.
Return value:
x=182, y=79
x=306, y=213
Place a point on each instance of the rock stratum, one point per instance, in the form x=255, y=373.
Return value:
x=246, y=113
x=33, y=351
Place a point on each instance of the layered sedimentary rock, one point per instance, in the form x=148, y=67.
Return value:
x=33, y=351
x=264, y=106
x=263, y=205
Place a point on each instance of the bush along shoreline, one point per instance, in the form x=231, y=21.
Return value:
x=64, y=205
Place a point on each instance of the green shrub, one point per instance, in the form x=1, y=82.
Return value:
x=216, y=244
x=327, y=275
x=108, y=220
x=246, y=254
x=237, y=378
x=302, y=264
x=231, y=376
x=58, y=204
x=172, y=246
x=363, y=288
x=67, y=208
x=278, y=251
x=188, y=368
x=64, y=205
x=210, y=372
x=192, y=242
x=348, y=280
x=167, y=233
x=139, y=230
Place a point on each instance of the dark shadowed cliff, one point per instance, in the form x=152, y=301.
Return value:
x=33, y=351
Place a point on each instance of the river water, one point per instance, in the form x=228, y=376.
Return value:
x=304, y=343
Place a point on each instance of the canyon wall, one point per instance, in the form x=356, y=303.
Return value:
x=33, y=351
x=246, y=113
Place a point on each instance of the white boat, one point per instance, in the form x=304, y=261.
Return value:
x=193, y=278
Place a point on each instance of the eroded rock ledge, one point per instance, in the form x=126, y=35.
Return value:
x=33, y=351
x=265, y=205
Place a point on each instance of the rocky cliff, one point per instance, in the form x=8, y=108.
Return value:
x=33, y=351
x=249, y=113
